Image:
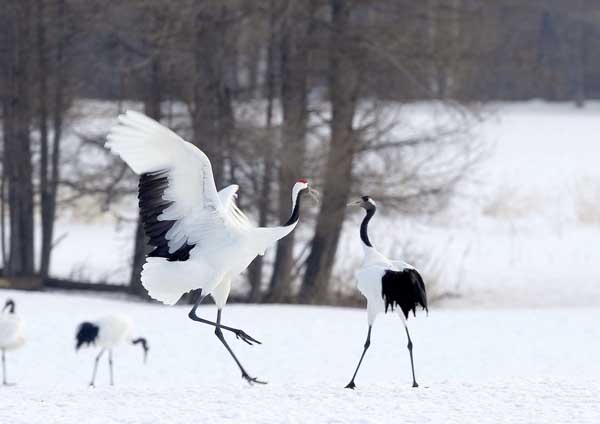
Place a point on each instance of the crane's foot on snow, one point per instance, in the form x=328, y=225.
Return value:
x=350, y=385
x=252, y=380
x=415, y=384
x=240, y=334
x=8, y=384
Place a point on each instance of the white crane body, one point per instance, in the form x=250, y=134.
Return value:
x=201, y=239
x=386, y=284
x=107, y=333
x=11, y=334
x=113, y=330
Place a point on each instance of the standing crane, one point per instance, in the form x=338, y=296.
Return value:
x=200, y=239
x=107, y=333
x=11, y=336
x=386, y=284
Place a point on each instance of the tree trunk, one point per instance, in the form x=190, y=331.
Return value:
x=208, y=88
x=344, y=83
x=152, y=108
x=42, y=77
x=579, y=63
x=60, y=105
x=255, y=270
x=294, y=68
x=3, y=200
x=17, y=120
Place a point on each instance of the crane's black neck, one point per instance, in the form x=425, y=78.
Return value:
x=295, y=209
x=10, y=304
x=363, y=226
x=144, y=343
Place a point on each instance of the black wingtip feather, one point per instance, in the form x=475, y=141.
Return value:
x=151, y=189
x=404, y=288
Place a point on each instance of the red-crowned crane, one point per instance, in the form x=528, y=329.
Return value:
x=201, y=239
x=386, y=284
x=107, y=333
x=11, y=334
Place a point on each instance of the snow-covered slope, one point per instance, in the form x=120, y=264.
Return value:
x=473, y=365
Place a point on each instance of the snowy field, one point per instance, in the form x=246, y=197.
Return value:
x=517, y=340
x=473, y=365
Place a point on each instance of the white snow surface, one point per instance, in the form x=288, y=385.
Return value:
x=473, y=365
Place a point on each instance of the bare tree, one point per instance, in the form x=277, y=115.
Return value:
x=344, y=82
x=154, y=41
x=52, y=73
x=296, y=26
x=17, y=114
x=255, y=270
x=211, y=103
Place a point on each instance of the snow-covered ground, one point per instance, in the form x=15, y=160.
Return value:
x=473, y=365
x=520, y=246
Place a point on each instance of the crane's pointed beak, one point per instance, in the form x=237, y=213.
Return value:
x=355, y=203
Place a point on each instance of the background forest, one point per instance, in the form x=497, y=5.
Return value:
x=272, y=91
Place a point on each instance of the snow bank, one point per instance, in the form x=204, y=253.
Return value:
x=474, y=366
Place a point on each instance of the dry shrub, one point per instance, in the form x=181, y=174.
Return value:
x=587, y=202
x=508, y=203
x=433, y=267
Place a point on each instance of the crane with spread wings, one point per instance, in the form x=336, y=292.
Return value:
x=200, y=238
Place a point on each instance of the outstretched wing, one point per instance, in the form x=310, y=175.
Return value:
x=179, y=203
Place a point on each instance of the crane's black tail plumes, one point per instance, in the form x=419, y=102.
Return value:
x=405, y=289
x=144, y=343
x=87, y=333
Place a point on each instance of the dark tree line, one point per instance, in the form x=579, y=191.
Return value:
x=33, y=78
x=271, y=90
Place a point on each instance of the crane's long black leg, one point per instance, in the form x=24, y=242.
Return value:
x=351, y=385
x=412, y=364
x=96, y=367
x=3, y=369
x=110, y=366
x=239, y=334
x=4, y=382
x=220, y=336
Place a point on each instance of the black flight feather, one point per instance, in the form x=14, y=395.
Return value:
x=405, y=289
x=151, y=189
